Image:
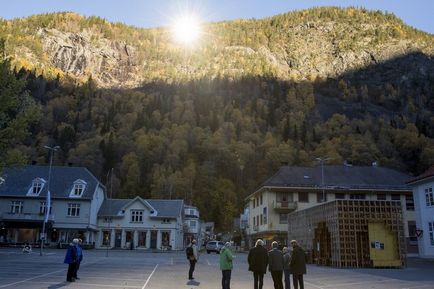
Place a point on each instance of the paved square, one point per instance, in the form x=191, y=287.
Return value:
x=139, y=269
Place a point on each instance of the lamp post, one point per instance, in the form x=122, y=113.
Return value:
x=322, y=160
x=47, y=212
x=109, y=219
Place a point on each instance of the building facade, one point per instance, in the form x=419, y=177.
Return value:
x=141, y=224
x=76, y=196
x=296, y=188
x=192, y=225
x=423, y=192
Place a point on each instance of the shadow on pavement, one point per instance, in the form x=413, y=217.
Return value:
x=193, y=283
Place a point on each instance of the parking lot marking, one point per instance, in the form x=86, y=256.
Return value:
x=149, y=278
x=29, y=279
x=356, y=283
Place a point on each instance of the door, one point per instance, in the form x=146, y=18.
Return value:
x=154, y=239
x=118, y=239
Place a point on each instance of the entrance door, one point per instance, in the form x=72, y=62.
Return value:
x=118, y=239
x=154, y=239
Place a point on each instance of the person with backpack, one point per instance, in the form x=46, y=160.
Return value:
x=275, y=265
x=192, y=257
x=226, y=265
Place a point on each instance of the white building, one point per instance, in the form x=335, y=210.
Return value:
x=423, y=194
x=192, y=225
x=141, y=224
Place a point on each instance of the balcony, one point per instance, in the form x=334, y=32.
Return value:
x=26, y=217
x=284, y=206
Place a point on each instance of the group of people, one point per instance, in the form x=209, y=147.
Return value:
x=279, y=263
x=73, y=257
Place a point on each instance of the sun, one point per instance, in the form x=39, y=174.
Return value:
x=186, y=29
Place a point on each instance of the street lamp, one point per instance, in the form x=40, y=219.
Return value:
x=322, y=160
x=47, y=212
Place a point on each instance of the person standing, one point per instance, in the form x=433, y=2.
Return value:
x=79, y=257
x=297, y=265
x=258, y=262
x=192, y=256
x=71, y=260
x=286, y=272
x=275, y=260
x=226, y=265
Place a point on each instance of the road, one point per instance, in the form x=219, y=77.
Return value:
x=139, y=269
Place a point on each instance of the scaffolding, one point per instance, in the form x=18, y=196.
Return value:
x=351, y=233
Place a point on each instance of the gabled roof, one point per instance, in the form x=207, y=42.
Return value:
x=339, y=177
x=163, y=208
x=429, y=173
x=18, y=180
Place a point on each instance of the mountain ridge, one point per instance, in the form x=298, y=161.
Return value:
x=299, y=45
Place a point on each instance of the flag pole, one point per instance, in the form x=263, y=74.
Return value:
x=48, y=199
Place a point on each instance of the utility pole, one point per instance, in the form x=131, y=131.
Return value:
x=47, y=209
x=322, y=160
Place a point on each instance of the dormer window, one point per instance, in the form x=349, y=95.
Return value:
x=36, y=188
x=78, y=189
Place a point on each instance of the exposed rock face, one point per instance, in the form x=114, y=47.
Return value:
x=110, y=63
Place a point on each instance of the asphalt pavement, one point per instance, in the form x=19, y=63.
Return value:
x=140, y=269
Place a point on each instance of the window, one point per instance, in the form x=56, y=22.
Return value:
x=136, y=216
x=261, y=200
x=265, y=214
x=396, y=197
x=254, y=221
x=284, y=197
x=381, y=197
x=106, y=238
x=193, y=224
x=283, y=218
x=303, y=197
x=261, y=219
x=321, y=197
x=257, y=220
x=429, y=197
x=409, y=202
x=167, y=221
x=42, y=208
x=431, y=232
x=340, y=196
x=73, y=210
x=36, y=188
x=16, y=207
x=357, y=196
x=78, y=189
x=191, y=212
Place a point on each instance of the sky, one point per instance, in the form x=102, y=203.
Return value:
x=155, y=13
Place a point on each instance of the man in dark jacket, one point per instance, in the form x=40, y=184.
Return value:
x=297, y=265
x=275, y=261
x=258, y=261
x=71, y=260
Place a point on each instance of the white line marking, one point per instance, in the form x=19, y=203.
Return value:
x=39, y=276
x=149, y=278
x=28, y=279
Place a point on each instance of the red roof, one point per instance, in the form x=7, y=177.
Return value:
x=427, y=174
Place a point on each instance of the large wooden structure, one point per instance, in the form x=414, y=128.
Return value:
x=351, y=233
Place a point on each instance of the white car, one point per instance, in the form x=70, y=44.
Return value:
x=214, y=246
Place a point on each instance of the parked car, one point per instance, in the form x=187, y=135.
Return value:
x=214, y=246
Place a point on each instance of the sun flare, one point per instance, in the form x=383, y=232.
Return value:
x=186, y=29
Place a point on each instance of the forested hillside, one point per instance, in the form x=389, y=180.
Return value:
x=209, y=125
